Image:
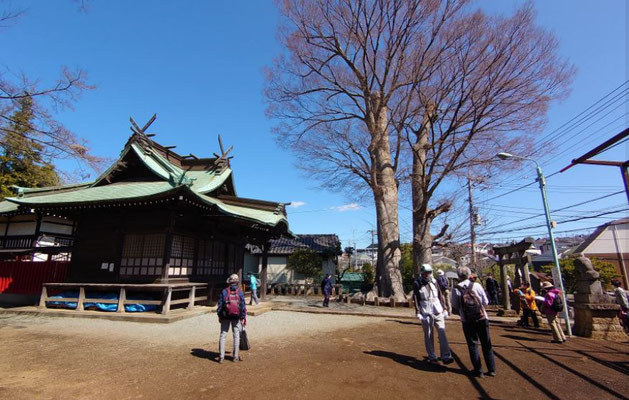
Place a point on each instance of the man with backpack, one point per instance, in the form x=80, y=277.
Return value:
x=551, y=307
x=326, y=288
x=469, y=301
x=232, y=311
x=430, y=308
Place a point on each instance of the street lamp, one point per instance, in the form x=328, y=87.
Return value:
x=542, y=187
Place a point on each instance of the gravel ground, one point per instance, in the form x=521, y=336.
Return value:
x=193, y=331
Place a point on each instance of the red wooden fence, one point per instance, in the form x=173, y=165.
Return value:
x=27, y=277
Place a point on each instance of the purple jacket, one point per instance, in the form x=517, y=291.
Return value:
x=548, y=302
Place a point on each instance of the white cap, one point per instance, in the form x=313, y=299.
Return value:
x=426, y=268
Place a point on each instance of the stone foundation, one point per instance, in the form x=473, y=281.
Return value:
x=598, y=321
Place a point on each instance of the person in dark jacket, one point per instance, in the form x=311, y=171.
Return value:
x=326, y=288
x=491, y=285
x=232, y=311
x=442, y=281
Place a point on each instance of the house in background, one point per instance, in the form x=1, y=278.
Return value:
x=610, y=242
x=280, y=249
x=440, y=259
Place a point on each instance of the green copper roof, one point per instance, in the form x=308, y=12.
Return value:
x=262, y=216
x=197, y=183
x=113, y=192
x=7, y=206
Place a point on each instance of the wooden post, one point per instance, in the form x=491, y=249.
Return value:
x=526, y=275
x=506, y=301
x=392, y=302
x=121, y=300
x=43, y=297
x=166, y=306
x=193, y=294
x=376, y=301
x=79, y=304
x=264, y=271
x=168, y=248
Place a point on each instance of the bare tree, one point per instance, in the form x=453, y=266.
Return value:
x=361, y=78
x=44, y=130
x=485, y=89
x=347, y=77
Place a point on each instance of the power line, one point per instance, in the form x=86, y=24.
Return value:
x=548, y=139
x=559, y=222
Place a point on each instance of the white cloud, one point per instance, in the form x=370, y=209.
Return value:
x=346, y=207
x=297, y=204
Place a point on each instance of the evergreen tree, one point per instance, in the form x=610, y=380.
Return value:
x=21, y=160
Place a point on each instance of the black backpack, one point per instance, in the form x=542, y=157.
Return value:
x=471, y=305
x=557, y=305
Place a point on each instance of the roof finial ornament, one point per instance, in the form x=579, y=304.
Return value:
x=222, y=161
x=141, y=131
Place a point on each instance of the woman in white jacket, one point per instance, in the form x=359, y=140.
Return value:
x=429, y=305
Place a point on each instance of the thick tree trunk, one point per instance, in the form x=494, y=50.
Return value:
x=422, y=238
x=385, y=190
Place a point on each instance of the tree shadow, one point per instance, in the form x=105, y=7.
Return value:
x=526, y=376
x=474, y=381
x=403, y=322
x=544, y=332
x=413, y=362
x=615, y=365
x=576, y=373
x=516, y=337
x=208, y=355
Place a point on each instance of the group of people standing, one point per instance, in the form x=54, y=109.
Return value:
x=434, y=301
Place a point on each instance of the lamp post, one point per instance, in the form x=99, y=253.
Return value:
x=542, y=187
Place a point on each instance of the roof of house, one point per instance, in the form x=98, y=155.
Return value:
x=597, y=232
x=148, y=171
x=318, y=243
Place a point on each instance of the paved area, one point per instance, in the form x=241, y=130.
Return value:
x=294, y=355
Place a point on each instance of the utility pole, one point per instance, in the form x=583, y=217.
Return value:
x=472, y=223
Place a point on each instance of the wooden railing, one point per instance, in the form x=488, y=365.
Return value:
x=165, y=303
x=304, y=289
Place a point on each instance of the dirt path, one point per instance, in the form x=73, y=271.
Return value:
x=375, y=359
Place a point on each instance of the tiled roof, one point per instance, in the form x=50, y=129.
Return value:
x=285, y=245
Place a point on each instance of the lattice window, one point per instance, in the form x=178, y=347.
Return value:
x=181, y=255
x=218, y=259
x=142, y=254
x=204, y=258
x=231, y=259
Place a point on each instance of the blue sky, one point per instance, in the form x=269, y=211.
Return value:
x=199, y=67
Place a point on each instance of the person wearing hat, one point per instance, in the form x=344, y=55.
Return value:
x=429, y=305
x=551, y=313
x=528, y=305
x=232, y=311
x=326, y=289
x=442, y=281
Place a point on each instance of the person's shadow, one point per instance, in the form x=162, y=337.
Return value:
x=413, y=362
x=209, y=355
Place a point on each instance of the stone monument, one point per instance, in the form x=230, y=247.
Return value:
x=595, y=315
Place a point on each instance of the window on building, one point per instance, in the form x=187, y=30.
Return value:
x=142, y=254
x=218, y=259
x=204, y=257
x=181, y=255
